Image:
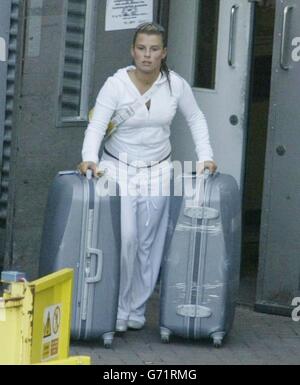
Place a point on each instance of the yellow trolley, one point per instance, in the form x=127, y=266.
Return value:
x=35, y=319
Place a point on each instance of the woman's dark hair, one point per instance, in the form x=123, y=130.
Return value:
x=155, y=29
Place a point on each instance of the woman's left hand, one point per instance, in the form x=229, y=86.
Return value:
x=201, y=166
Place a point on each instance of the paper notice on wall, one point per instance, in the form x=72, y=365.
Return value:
x=34, y=28
x=127, y=14
x=3, y=56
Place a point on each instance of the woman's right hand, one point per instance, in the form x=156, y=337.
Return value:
x=84, y=166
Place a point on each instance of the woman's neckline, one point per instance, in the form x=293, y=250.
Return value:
x=131, y=69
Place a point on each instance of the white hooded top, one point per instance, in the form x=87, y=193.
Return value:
x=144, y=136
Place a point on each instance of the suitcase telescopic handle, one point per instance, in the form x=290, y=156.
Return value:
x=194, y=175
x=98, y=274
x=206, y=173
x=89, y=174
x=200, y=187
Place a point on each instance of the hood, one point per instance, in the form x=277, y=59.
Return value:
x=123, y=76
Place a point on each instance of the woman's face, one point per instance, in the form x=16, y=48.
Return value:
x=148, y=52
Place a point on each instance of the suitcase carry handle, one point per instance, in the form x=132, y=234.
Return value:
x=195, y=208
x=198, y=198
x=88, y=280
x=98, y=275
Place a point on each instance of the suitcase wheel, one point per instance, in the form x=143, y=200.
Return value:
x=165, y=335
x=107, y=344
x=165, y=339
x=217, y=343
x=218, y=339
x=107, y=340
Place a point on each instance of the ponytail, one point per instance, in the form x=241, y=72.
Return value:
x=164, y=69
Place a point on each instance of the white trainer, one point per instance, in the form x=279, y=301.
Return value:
x=136, y=325
x=121, y=325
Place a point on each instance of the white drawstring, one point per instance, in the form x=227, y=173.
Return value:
x=148, y=211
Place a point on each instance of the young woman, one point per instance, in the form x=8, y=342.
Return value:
x=140, y=148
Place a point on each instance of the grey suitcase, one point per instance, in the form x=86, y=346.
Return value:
x=82, y=231
x=200, y=272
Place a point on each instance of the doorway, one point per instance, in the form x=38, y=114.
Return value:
x=261, y=68
x=209, y=45
x=228, y=63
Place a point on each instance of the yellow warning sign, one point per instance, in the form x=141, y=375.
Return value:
x=47, y=327
x=46, y=351
x=52, y=325
x=54, y=347
x=56, y=319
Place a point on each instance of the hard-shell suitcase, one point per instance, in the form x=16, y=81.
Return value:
x=82, y=231
x=200, y=271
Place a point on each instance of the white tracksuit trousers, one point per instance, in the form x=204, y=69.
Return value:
x=144, y=221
